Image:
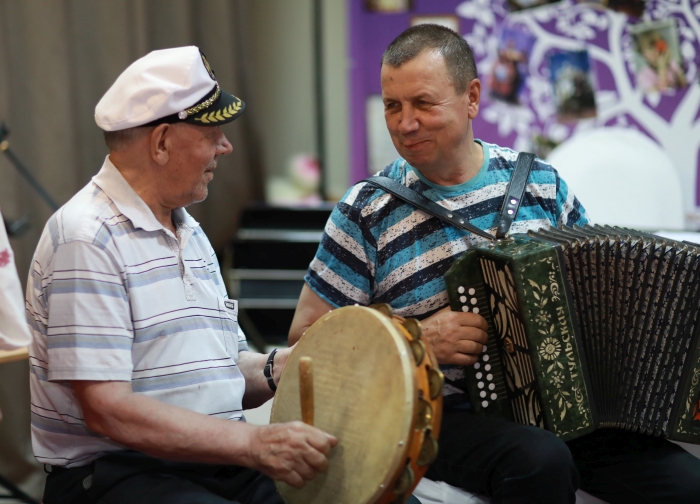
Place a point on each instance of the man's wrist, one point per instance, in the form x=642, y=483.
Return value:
x=280, y=361
x=268, y=370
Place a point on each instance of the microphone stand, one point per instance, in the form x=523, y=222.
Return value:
x=17, y=227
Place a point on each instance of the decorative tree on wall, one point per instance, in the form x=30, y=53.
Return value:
x=672, y=119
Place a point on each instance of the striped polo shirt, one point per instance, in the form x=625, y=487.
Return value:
x=114, y=296
x=378, y=249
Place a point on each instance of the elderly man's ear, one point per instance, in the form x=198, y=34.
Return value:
x=160, y=143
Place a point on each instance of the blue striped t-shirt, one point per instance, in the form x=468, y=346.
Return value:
x=378, y=249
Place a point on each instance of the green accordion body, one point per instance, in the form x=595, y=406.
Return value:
x=568, y=349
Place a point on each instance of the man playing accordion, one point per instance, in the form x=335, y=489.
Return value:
x=378, y=249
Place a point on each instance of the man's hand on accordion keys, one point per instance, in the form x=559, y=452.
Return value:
x=455, y=337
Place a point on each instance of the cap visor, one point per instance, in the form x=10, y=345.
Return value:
x=224, y=110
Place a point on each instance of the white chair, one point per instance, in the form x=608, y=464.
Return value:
x=622, y=178
x=439, y=492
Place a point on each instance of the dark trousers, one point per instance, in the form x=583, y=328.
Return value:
x=134, y=478
x=515, y=463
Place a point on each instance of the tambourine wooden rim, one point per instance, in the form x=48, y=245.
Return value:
x=371, y=393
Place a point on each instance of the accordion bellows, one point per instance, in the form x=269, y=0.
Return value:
x=591, y=327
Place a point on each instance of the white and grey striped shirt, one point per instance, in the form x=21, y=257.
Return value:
x=114, y=296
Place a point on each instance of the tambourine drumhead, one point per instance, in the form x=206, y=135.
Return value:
x=364, y=394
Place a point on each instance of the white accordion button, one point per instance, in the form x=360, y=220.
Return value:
x=478, y=376
x=484, y=403
x=494, y=396
x=487, y=367
x=483, y=350
x=463, y=299
x=477, y=366
x=476, y=309
x=482, y=393
x=486, y=357
x=491, y=386
x=471, y=292
x=489, y=377
x=473, y=300
x=460, y=289
x=465, y=308
x=480, y=384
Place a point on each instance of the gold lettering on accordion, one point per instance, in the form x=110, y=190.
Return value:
x=566, y=339
x=557, y=348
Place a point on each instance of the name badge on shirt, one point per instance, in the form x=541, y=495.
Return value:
x=231, y=304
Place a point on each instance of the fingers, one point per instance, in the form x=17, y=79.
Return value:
x=331, y=439
x=320, y=440
x=293, y=452
x=464, y=319
x=468, y=347
x=456, y=337
x=294, y=480
x=316, y=461
x=473, y=320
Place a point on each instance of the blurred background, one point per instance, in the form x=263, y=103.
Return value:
x=606, y=90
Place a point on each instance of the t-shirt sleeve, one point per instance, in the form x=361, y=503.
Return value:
x=89, y=331
x=342, y=271
x=569, y=209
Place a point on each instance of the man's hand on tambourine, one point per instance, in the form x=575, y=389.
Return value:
x=291, y=452
x=455, y=337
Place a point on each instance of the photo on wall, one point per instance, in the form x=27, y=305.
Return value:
x=572, y=83
x=632, y=8
x=448, y=21
x=389, y=6
x=516, y=5
x=658, y=61
x=509, y=71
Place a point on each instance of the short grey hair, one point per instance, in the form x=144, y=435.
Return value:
x=117, y=140
x=456, y=52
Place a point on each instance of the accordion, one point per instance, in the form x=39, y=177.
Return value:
x=589, y=327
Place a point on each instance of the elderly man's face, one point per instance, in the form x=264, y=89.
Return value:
x=427, y=120
x=193, y=158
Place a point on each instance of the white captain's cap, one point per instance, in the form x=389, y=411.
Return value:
x=167, y=86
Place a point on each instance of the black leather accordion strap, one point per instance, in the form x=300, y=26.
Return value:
x=422, y=203
x=515, y=192
x=509, y=210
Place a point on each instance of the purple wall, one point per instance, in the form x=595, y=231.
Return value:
x=370, y=34
x=671, y=119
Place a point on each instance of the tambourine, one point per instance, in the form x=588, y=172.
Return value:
x=366, y=377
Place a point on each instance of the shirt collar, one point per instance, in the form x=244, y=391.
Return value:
x=130, y=203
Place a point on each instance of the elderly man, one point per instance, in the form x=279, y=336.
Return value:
x=139, y=370
x=378, y=249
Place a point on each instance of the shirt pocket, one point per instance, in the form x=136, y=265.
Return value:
x=228, y=313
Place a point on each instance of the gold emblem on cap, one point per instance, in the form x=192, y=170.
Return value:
x=221, y=114
x=206, y=65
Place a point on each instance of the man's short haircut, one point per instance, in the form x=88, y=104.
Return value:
x=456, y=52
x=117, y=140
